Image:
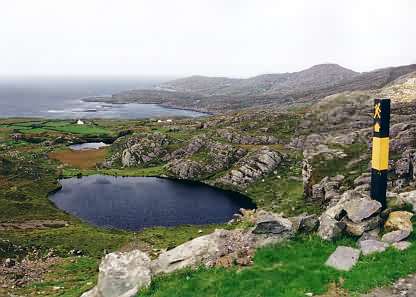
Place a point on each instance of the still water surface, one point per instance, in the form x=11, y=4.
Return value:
x=133, y=203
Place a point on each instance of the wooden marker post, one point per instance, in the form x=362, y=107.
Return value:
x=380, y=158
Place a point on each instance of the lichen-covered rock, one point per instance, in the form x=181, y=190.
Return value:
x=252, y=167
x=357, y=229
x=191, y=148
x=395, y=236
x=142, y=149
x=305, y=223
x=122, y=275
x=370, y=235
x=404, y=167
x=327, y=189
x=237, y=138
x=205, y=249
x=352, y=204
x=217, y=157
x=272, y=224
x=186, y=169
x=363, y=179
x=399, y=220
x=223, y=156
x=401, y=245
x=217, y=247
x=371, y=246
x=317, y=144
x=360, y=209
x=408, y=197
x=404, y=139
x=329, y=228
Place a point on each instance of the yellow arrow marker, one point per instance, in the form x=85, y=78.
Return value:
x=377, y=127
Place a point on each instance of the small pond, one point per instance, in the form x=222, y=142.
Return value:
x=88, y=146
x=132, y=203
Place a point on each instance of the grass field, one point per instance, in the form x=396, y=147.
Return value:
x=58, y=126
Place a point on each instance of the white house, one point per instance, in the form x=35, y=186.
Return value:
x=79, y=122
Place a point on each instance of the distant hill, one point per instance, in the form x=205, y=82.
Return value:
x=219, y=94
x=318, y=76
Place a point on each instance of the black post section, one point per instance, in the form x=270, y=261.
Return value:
x=380, y=155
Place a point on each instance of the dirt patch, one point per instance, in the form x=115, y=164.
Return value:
x=35, y=224
x=335, y=290
x=17, y=274
x=402, y=287
x=85, y=159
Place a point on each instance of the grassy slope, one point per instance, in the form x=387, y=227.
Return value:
x=25, y=181
x=290, y=269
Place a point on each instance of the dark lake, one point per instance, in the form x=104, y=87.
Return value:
x=133, y=203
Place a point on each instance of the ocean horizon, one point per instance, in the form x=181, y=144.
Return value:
x=61, y=97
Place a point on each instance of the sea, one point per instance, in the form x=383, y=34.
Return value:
x=62, y=98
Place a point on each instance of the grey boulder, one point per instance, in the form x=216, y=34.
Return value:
x=371, y=246
x=401, y=245
x=360, y=209
x=344, y=258
x=395, y=236
x=122, y=275
x=272, y=224
x=358, y=229
x=329, y=228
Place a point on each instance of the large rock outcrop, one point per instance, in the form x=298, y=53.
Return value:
x=354, y=213
x=327, y=190
x=404, y=168
x=252, y=167
x=142, y=149
x=237, y=138
x=194, y=145
x=214, y=157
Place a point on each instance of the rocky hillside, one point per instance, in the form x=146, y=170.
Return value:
x=218, y=95
x=319, y=76
x=289, y=161
x=402, y=89
x=269, y=148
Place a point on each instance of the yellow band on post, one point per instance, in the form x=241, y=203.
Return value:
x=380, y=159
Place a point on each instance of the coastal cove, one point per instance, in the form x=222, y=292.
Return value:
x=69, y=98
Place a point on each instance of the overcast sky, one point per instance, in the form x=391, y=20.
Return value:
x=211, y=37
